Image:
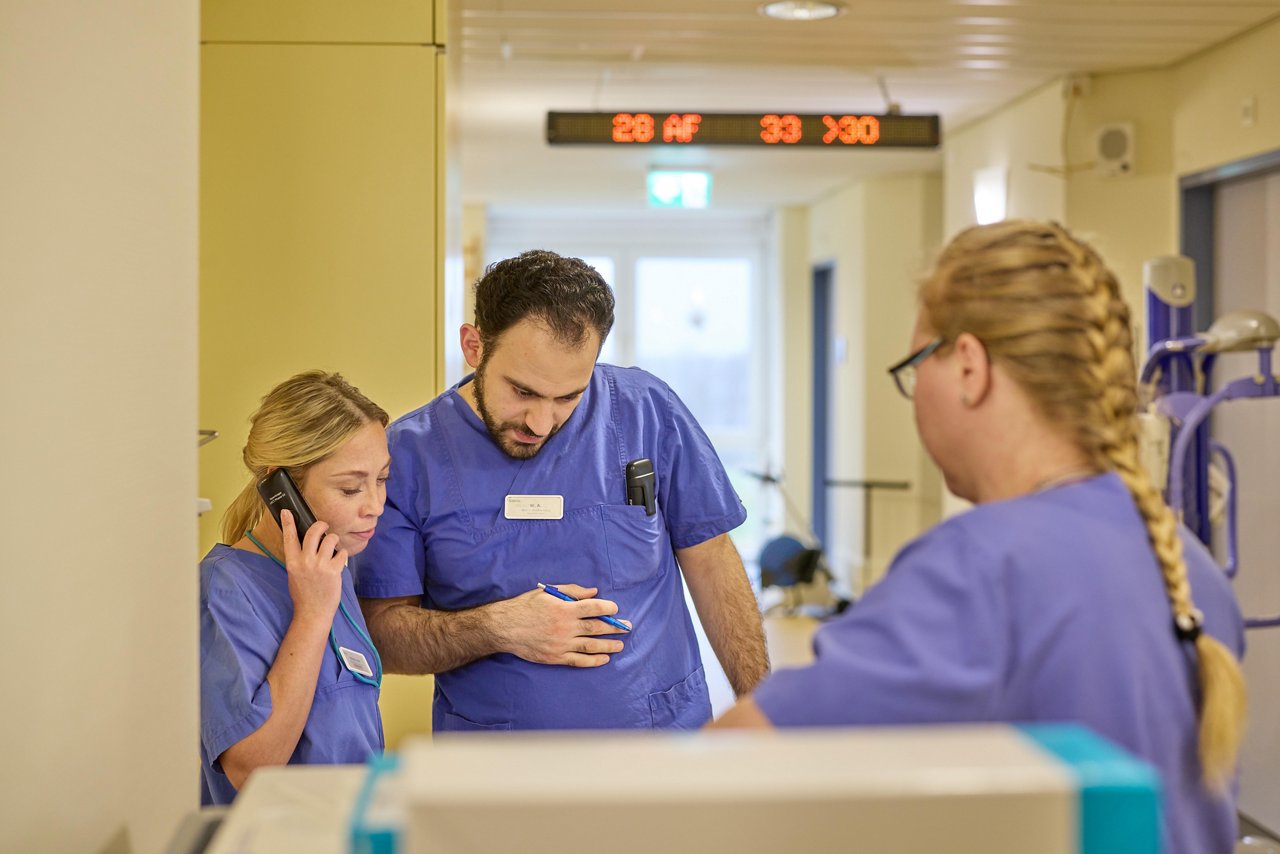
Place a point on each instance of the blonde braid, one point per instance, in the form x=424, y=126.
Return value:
x=1048, y=308
x=1223, y=696
x=1223, y=693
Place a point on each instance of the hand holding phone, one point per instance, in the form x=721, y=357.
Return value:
x=279, y=492
x=315, y=566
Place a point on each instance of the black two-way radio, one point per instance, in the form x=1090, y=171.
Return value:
x=642, y=485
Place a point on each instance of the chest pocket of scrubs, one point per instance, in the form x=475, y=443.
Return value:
x=636, y=543
x=333, y=675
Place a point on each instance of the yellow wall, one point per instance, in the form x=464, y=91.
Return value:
x=97, y=429
x=837, y=237
x=1206, y=114
x=879, y=235
x=1186, y=119
x=1024, y=134
x=794, y=420
x=1133, y=217
x=903, y=220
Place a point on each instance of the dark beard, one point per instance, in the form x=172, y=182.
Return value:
x=513, y=449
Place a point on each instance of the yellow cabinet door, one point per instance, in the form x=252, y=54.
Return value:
x=318, y=232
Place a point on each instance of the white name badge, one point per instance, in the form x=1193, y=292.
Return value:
x=355, y=662
x=535, y=507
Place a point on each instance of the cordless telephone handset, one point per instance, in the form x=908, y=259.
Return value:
x=279, y=492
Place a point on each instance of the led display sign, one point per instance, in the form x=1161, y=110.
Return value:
x=781, y=130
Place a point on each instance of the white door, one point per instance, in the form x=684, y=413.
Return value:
x=1247, y=276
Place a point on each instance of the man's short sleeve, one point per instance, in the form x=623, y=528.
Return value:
x=395, y=562
x=697, y=499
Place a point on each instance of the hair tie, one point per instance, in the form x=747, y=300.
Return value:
x=1187, y=626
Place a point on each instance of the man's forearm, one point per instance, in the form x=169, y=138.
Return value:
x=533, y=626
x=415, y=640
x=731, y=619
x=727, y=608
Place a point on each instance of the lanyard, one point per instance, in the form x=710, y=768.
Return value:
x=333, y=639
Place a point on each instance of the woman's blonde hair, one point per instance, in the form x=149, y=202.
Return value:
x=300, y=422
x=1047, y=309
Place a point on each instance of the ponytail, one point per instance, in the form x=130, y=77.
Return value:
x=300, y=422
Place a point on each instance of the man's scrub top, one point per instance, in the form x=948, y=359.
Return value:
x=245, y=609
x=1048, y=607
x=444, y=536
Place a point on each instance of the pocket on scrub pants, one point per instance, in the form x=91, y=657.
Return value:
x=452, y=722
x=684, y=705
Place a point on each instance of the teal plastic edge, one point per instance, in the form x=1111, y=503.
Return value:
x=1119, y=794
x=363, y=838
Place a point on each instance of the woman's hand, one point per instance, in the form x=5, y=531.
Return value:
x=315, y=568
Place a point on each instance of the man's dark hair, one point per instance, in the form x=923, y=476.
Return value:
x=566, y=294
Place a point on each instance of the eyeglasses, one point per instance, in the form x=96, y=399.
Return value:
x=904, y=373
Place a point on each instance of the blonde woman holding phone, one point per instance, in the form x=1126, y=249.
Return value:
x=288, y=673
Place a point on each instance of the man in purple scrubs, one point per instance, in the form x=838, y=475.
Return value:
x=516, y=477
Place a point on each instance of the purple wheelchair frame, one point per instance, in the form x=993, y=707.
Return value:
x=1188, y=410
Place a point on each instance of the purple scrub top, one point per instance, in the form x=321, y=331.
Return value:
x=1048, y=607
x=245, y=610
x=444, y=536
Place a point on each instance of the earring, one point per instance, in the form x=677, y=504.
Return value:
x=964, y=400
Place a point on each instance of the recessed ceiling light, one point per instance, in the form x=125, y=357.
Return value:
x=801, y=10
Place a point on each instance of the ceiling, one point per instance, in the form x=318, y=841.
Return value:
x=958, y=58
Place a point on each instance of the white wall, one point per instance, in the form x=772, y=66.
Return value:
x=98, y=347
x=1248, y=277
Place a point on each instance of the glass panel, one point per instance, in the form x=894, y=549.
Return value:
x=693, y=329
x=605, y=267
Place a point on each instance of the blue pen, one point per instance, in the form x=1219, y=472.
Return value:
x=617, y=624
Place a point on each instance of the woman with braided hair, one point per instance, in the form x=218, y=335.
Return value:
x=1069, y=592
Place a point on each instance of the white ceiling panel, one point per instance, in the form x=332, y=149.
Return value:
x=961, y=60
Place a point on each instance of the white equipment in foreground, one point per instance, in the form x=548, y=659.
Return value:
x=918, y=790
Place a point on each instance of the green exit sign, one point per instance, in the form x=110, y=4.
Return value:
x=669, y=189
